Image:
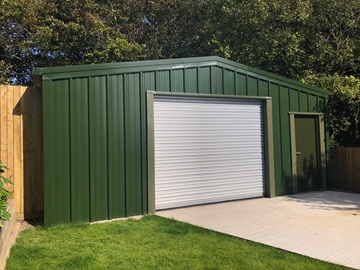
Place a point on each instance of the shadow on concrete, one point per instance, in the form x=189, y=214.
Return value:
x=328, y=200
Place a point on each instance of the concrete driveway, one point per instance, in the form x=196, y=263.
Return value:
x=322, y=225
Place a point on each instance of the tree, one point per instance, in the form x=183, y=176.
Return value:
x=52, y=33
x=264, y=34
x=178, y=28
x=343, y=107
x=292, y=38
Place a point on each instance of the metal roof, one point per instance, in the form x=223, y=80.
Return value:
x=61, y=72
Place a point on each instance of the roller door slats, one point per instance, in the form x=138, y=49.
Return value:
x=246, y=180
x=201, y=166
x=205, y=192
x=193, y=173
x=205, y=188
x=207, y=150
x=188, y=201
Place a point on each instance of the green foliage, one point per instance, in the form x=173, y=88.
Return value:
x=53, y=33
x=265, y=34
x=289, y=38
x=4, y=194
x=118, y=50
x=343, y=107
x=179, y=28
x=292, y=38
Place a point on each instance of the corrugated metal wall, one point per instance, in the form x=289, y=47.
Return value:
x=95, y=128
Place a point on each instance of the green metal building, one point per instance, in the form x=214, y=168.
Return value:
x=127, y=139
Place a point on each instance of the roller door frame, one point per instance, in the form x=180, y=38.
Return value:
x=268, y=141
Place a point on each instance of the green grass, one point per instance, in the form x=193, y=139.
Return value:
x=150, y=243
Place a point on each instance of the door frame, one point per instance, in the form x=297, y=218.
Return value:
x=268, y=140
x=321, y=149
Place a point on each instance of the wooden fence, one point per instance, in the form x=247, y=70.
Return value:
x=21, y=145
x=345, y=168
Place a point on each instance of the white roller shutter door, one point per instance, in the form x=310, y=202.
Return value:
x=207, y=150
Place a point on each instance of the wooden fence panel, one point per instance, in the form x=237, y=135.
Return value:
x=345, y=168
x=21, y=145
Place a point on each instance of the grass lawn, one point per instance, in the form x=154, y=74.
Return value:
x=150, y=243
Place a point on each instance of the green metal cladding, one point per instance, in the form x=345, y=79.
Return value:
x=95, y=128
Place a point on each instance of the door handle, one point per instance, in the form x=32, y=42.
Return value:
x=298, y=153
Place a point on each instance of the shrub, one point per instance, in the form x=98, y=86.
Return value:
x=4, y=194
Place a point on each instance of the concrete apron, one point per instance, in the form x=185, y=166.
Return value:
x=321, y=225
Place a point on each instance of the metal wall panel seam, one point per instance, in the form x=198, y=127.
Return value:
x=143, y=145
x=125, y=143
x=61, y=144
x=293, y=154
x=235, y=83
x=274, y=93
x=107, y=145
x=307, y=102
x=211, y=80
x=285, y=135
x=70, y=156
x=156, y=84
x=281, y=136
x=64, y=146
x=126, y=115
x=247, y=84
x=269, y=140
x=223, y=80
x=317, y=104
x=170, y=84
x=90, y=182
x=89, y=168
x=182, y=81
x=69, y=120
x=289, y=99
x=98, y=151
x=79, y=152
x=151, y=155
x=197, y=80
x=133, y=135
x=138, y=143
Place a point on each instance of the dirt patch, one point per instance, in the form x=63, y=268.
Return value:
x=31, y=223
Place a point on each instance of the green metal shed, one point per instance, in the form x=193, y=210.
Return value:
x=125, y=139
